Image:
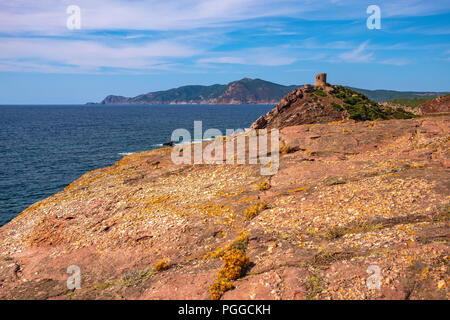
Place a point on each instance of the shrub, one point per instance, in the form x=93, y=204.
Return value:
x=161, y=265
x=235, y=265
x=362, y=108
x=104, y=286
x=254, y=210
x=314, y=285
x=135, y=277
x=219, y=287
x=285, y=149
x=336, y=106
x=239, y=243
x=320, y=93
x=262, y=186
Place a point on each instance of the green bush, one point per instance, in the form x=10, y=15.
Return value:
x=336, y=106
x=361, y=108
x=320, y=93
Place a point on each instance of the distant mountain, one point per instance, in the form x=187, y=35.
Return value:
x=244, y=91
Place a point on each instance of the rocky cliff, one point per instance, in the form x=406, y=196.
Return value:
x=349, y=197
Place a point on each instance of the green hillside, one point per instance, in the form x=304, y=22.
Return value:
x=386, y=95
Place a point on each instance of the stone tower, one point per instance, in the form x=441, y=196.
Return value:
x=321, y=80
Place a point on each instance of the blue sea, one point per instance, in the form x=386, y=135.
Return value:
x=45, y=148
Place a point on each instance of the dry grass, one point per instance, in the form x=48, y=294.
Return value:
x=135, y=277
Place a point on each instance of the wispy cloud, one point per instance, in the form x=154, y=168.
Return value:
x=49, y=16
x=395, y=62
x=359, y=54
x=76, y=56
x=263, y=56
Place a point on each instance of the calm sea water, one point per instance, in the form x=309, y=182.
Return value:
x=44, y=148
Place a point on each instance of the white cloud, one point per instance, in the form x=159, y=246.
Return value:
x=76, y=56
x=361, y=54
x=49, y=16
x=395, y=62
x=264, y=56
x=190, y=29
x=357, y=55
x=230, y=60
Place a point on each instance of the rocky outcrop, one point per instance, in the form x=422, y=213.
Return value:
x=299, y=107
x=323, y=103
x=114, y=100
x=347, y=196
x=437, y=105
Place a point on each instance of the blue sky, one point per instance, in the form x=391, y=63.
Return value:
x=133, y=47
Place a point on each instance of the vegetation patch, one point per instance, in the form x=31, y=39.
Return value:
x=362, y=227
x=135, y=277
x=409, y=102
x=300, y=189
x=285, y=149
x=235, y=265
x=314, y=285
x=325, y=258
x=399, y=113
x=320, y=93
x=254, y=210
x=239, y=243
x=376, y=224
x=362, y=108
x=161, y=266
x=263, y=186
x=444, y=215
x=335, y=181
x=104, y=286
x=336, y=106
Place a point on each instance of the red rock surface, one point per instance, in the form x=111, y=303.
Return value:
x=348, y=195
x=436, y=105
